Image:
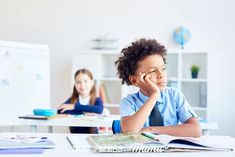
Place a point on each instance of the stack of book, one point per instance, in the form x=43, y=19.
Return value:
x=103, y=94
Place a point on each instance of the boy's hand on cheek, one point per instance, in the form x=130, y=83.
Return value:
x=146, y=85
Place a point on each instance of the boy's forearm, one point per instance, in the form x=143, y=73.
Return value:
x=186, y=129
x=135, y=122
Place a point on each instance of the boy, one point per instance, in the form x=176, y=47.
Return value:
x=155, y=108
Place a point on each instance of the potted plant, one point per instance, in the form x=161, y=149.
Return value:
x=194, y=71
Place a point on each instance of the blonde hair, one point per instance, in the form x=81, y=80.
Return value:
x=75, y=94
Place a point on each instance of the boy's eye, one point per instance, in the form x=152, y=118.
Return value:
x=153, y=71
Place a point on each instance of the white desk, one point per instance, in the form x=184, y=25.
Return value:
x=87, y=121
x=207, y=126
x=63, y=148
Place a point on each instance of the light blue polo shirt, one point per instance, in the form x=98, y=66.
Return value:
x=172, y=105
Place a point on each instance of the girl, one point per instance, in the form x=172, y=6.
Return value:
x=82, y=100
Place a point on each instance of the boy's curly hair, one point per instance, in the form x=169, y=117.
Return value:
x=137, y=51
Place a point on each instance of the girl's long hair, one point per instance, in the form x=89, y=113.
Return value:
x=74, y=97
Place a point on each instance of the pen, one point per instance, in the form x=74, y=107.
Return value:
x=70, y=142
x=150, y=135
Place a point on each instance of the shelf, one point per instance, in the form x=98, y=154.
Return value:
x=175, y=79
x=110, y=79
x=178, y=67
x=200, y=108
x=185, y=51
x=194, y=80
x=111, y=105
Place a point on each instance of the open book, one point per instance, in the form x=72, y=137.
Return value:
x=148, y=142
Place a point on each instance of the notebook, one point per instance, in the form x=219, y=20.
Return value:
x=11, y=142
x=148, y=142
x=37, y=117
x=22, y=151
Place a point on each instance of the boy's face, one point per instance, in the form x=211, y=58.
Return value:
x=155, y=67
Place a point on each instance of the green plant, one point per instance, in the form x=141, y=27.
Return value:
x=195, y=68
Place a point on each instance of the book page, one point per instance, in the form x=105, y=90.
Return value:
x=188, y=143
x=119, y=140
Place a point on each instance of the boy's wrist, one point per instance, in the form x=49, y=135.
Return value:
x=155, y=96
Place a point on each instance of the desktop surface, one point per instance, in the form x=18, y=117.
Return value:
x=64, y=148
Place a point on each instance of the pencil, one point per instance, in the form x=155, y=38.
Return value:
x=150, y=135
x=70, y=142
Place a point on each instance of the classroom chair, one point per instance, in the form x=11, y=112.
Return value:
x=116, y=127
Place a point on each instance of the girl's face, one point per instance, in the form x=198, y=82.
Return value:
x=83, y=84
x=156, y=68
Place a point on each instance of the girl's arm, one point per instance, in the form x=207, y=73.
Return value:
x=67, y=108
x=97, y=108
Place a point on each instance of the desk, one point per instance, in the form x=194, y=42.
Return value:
x=63, y=148
x=87, y=121
x=207, y=126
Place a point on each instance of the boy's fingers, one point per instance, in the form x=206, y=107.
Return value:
x=141, y=77
x=148, y=81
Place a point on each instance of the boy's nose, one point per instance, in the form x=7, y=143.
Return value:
x=159, y=76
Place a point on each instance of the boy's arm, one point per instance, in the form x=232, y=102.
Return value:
x=135, y=122
x=190, y=128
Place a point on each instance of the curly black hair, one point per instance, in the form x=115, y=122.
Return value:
x=137, y=51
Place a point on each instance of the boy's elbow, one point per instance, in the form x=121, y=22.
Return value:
x=198, y=132
x=128, y=129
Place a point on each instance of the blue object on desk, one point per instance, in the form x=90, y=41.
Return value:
x=116, y=127
x=22, y=151
x=44, y=112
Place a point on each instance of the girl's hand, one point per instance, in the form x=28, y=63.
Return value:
x=146, y=85
x=90, y=114
x=66, y=107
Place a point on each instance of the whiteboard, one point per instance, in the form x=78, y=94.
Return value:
x=24, y=79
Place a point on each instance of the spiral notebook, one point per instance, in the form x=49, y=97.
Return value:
x=23, y=144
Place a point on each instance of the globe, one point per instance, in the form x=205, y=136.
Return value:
x=181, y=36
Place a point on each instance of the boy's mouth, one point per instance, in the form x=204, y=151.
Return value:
x=161, y=83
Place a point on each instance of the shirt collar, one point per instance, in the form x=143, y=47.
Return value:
x=83, y=101
x=145, y=98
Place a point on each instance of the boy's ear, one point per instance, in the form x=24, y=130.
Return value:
x=132, y=79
